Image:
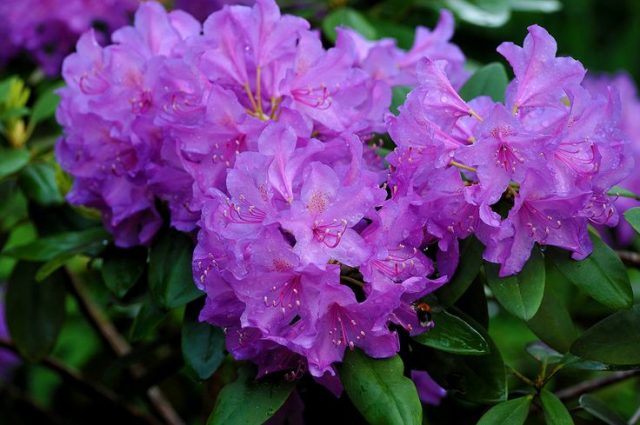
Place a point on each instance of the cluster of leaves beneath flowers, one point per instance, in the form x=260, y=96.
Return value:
x=302, y=251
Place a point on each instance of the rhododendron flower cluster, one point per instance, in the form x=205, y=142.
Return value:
x=534, y=169
x=48, y=29
x=630, y=125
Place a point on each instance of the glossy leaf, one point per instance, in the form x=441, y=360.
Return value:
x=521, y=295
x=170, y=276
x=121, y=269
x=632, y=215
x=475, y=379
x=468, y=268
x=490, y=80
x=486, y=13
x=38, y=182
x=545, y=6
x=48, y=248
x=555, y=412
x=35, y=311
x=380, y=391
x=601, y=275
x=12, y=160
x=614, y=340
x=452, y=334
x=249, y=402
x=202, y=344
x=512, y=412
x=600, y=410
x=552, y=322
x=347, y=17
x=543, y=353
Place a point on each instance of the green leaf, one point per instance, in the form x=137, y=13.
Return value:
x=552, y=323
x=601, y=275
x=347, y=17
x=469, y=267
x=12, y=160
x=555, y=412
x=485, y=13
x=490, y=80
x=399, y=96
x=521, y=295
x=202, y=344
x=632, y=215
x=170, y=276
x=380, y=391
x=544, y=354
x=52, y=265
x=475, y=379
x=600, y=410
x=622, y=192
x=452, y=334
x=249, y=402
x=512, y=412
x=35, y=311
x=148, y=318
x=45, y=107
x=121, y=269
x=544, y=6
x=38, y=182
x=51, y=247
x=614, y=340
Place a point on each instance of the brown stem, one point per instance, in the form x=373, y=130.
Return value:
x=120, y=347
x=84, y=386
x=630, y=258
x=595, y=384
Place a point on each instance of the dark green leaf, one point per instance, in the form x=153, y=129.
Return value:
x=475, y=379
x=121, y=269
x=170, y=275
x=454, y=335
x=543, y=353
x=490, y=80
x=521, y=295
x=148, y=318
x=614, y=340
x=249, y=402
x=632, y=215
x=552, y=323
x=601, y=275
x=555, y=413
x=474, y=302
x=600, y=410
x=347, y=17
x=49, y=248
x=38, y=182
x=35, y=311
x=470, y=262
x=12, y=160
x=380, y=391
x=52, y=265
x=512, y=412
x=45, y=107
x=202, y=344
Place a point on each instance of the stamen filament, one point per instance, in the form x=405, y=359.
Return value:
x=462, y=166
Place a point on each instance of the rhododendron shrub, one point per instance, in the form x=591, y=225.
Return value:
x=339, y=224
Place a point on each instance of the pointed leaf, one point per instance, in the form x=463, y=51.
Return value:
x=601, y=275
x=35, y=311
x=490, y=80
x=380, y=391
x=62, y=244
x=249, y=402
x=170, y=276
x=555, y=412
x=512, y=412
x=202, y=344
x=452, y=334
x=600, y=410
x=614, y=340
x=521, y=295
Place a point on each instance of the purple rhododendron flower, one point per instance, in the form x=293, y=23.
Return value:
x=201, y=9
x=428, y=390
x=630, y=125
x=8, y=360
x=535, y=169
x=48, y=29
